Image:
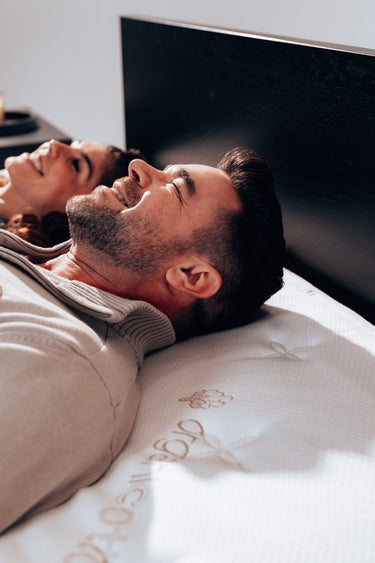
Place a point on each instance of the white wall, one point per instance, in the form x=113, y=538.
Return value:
x=62, y=57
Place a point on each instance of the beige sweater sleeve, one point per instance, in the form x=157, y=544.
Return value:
x=57, y=428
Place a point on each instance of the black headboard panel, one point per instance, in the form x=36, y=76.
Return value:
x=192, y=93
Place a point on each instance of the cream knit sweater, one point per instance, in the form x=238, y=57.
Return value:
x=69, y=358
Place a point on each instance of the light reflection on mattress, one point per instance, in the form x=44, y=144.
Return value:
x=252, y=445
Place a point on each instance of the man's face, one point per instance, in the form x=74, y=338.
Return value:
x=151, y=214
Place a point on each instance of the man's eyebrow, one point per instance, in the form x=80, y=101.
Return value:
x=89, y=163
x=189, y=182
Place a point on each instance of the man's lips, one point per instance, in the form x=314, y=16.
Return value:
x=126, y=191
x=120, y=197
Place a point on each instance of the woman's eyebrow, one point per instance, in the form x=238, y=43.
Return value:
x=88, y=162
x=84, y=156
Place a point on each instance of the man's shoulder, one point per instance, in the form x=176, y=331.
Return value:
x=79, y=304
x=38, y=329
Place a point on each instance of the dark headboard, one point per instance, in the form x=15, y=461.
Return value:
x=193, y=93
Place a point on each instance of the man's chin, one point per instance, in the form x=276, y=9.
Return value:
x=73, y=201
x=91, y=224
x=100, y=197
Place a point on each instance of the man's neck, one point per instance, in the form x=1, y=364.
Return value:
x=92, y=270
x=69, y=266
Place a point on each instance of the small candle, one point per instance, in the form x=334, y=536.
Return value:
x=2, y=113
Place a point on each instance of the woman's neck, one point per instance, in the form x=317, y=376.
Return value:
x=4, y=177
x=10, y=200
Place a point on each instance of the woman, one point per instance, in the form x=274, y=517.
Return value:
x=34, y=188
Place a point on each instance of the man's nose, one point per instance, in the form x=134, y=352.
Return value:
x=143, y=173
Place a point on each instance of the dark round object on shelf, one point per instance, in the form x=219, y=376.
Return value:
x=18, y=122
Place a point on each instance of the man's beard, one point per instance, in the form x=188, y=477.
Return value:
x=131, y=243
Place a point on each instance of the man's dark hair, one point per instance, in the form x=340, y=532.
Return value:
x=246, y=247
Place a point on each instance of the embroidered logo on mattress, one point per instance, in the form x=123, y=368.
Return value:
x=207, y=398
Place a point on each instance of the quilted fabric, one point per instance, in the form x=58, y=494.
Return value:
x=253, y=445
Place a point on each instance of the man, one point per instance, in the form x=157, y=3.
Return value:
x=183, y=251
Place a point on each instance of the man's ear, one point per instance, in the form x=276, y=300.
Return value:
x=196, y=277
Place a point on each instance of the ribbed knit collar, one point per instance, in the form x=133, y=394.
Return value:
x=146, y=327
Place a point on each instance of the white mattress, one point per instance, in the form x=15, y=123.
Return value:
x=254, y=445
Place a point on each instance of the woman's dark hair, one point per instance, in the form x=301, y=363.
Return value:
x=53, y=228
x=247, y=248
x=118, y=163
x=28, y=227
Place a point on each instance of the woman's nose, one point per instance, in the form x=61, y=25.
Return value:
x=143, y=173
x=55, y=148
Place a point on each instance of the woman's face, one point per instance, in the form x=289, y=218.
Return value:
x=46, y=178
